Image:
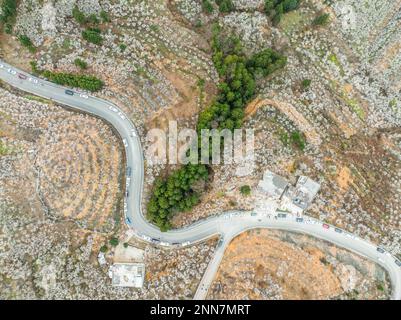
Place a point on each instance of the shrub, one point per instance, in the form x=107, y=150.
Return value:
x=93, y=19
x=92, y=35
x=245, y=190
x=207, y=7
x=298, y=140
x=27, y=43
x=78, y=15
x=104, y=16
x=122, y=46
x=103, y=249
x=321, y=20
x=225, y=5
x=114, y=242
x=80, y=63
x=306, y=83
x=125, y=244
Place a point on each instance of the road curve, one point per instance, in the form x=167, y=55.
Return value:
x=227, y=225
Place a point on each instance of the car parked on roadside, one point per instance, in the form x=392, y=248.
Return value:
x=398, y=262
x=381, y=250
x=125, y=143
x=300, y=219
x=69, y=92
x=22, y=76
x=338, y=230
x=326, y=226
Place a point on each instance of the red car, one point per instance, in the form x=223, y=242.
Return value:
x=22, y=76
x=326, y=226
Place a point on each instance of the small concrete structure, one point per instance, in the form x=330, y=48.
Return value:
x=127, y=274
x=273, y=185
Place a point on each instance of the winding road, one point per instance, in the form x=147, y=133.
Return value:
x=227, y=225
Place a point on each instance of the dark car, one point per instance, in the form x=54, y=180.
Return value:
x=338, y=230
x=69, y=92
x=155, y=240
x=281, y=215
x=127, y=194
x=300, y=219
x=128, y=220
x=128, y=171
x=380, y=250
x=22, y=76
x=398, y=263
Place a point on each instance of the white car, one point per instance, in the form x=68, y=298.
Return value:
x=83, y=96
x=133, y=133
x=125, y=143
x=121, y=115
x=12, y=71
x=1, y=66
x=33, y=80
x=166, y=244
x=112, y=108
x=186, y=243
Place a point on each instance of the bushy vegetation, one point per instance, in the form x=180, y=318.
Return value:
x=236, y=89
x=92, y=35
x=105, y=16
x=225, y=5
x=277, y=8
x=174, y=194
x=321, y=19
x=207, y=7
x=245, y=190
x=8, y=13
x=306, y=83
x=27, y=43
x=114, y=242
x=78, y=15
x=80, y=63
x=85, y=82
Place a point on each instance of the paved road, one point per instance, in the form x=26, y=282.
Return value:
x=226, y=225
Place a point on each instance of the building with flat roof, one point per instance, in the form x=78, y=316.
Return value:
x=127, y=274
x=284, y=196
x=272, y=184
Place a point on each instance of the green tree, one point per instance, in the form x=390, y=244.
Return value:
x=8, y=13
x=114, y=242
x=103, y=249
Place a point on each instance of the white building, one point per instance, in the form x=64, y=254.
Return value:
x=127, y=274
x=284, y=197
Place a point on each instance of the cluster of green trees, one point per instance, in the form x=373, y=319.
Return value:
x=27, y=43
x=92, y=33
x=85, y=82
x=174, y=194
x=237, y=87
x=238, y=83
x=277, y=8
x=8, y=12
